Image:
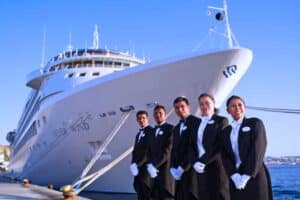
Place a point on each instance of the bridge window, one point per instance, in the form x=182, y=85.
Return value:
x=70, y=75
x=87, y=63
x=96, y=73
x=108, y=63
x=71, y=66
x=52, y=69
x=82, y=74
x=118, y=64
x=98, y=63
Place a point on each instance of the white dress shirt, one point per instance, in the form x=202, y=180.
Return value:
x=234, y=138
x=182, y=127
x=204, y=120
x=141, y=134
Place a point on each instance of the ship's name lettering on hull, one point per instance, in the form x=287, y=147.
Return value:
x=79, y=125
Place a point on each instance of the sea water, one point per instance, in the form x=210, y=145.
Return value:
x=285, y=181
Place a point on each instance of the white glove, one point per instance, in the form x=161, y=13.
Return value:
x=173, y=172
x=134, y=169
x=236, y=178
x=244, y=180
x=199, y=167
x=152, y=170
x=179, y=171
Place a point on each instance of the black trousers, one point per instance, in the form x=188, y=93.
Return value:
x=160, y=193
x=142, y=189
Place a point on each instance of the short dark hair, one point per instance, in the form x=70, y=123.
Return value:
x=141, y=112
x=206, y=95
x=158, y=106
x=234, y=97
x=179, y=99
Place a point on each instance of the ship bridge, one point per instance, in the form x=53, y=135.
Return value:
x=81, y=62
x=92, y=58
x=104, y=60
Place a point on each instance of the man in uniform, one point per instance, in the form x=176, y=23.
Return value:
x=159, y=156
x=180, y=163
x=138, y=167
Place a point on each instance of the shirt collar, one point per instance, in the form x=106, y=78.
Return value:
x=206, y=117
x=184, y=119
x=235, y=123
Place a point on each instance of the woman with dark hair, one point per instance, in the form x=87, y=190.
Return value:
x=243, y=154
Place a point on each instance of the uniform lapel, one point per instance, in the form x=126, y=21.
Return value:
x=228, y=145
x=177, y=135
x=241, y=140
x=207, y=129
x=160, y=137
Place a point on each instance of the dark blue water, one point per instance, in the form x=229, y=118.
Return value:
x=285, y=181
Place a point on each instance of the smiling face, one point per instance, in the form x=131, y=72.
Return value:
x=159, y=115
x=236, y=108
x=182, y=109
x=206, y=105
x=142, y=120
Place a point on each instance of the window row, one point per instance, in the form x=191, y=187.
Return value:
x=82, y=74
x=89, y=63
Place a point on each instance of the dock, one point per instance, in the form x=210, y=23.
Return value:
x=10, y=189
x=13, y=190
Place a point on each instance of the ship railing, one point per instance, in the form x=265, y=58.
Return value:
x=119, y=57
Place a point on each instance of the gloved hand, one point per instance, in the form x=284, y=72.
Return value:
x=244, y=180
x=134, y=169
x=179, y=171
x=174, y=173
x=199, y=167
x=236, y=178
x=152, y=170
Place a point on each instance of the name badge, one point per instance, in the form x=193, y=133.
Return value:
x=246, y=129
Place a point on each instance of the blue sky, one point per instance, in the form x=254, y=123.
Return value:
x=160, y=29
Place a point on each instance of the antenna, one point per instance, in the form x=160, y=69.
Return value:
x=85, y=48
x=219, y=16
x=43, y=47
x=96, y=38
x=70, y=46
x=227, y=24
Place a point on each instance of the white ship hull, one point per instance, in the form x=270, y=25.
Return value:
x=76, y=122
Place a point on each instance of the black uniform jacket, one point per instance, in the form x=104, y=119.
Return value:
x=181, y=142
x=179, y=156
x=140, y=156
x=252, y=147
x=213, y=183
x=160, y=155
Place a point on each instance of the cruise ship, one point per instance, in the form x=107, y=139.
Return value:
x=78, y=125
